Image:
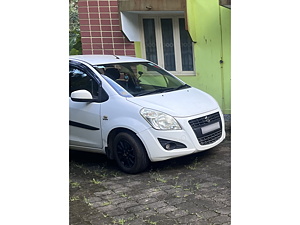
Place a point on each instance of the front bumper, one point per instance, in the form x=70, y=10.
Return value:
x=188, y=136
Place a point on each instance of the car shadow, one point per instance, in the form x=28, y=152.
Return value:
x=96, y=160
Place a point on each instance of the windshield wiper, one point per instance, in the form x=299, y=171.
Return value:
x=182, y=86
x=160, y=90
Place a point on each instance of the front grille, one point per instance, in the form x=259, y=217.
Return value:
x=205, y=120
x=210, y=137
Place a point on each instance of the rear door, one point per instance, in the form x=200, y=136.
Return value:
x=84, y=117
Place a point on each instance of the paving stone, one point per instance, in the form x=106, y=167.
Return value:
x=106, y=208
x=101, y=203
x=166, y=187
x=166, y=222
x=115, y=212
x=220, y=219
x=95, y=199
x=200, y=222
x=177, y=213
x=191, y=207
x=136, y=221
x=188, y=219
x=207, y=214
x=173, y=191
x=228, y=223
x=140, y=196
x=183, y=194
x=157, y=217
x=127, y=204
x=175, y=201
x=166, y=209
x=100, y=220
x=122, y=190
x=136, y=208
x=133, y=184
x=104, y=193
x=225, y=210
x=144, y=201
x=124, y=217
x=155, y=205
x=220, y=198
x=146, y=213
x=156, y=194
x=119, y=200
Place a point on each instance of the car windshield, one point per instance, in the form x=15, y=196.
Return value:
x=137, y=79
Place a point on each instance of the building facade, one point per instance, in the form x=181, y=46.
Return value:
x=190, y=38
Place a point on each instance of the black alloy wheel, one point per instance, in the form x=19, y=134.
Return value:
x=125, y=153
x=130, y=153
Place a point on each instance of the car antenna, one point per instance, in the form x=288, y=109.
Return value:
x=116, y=57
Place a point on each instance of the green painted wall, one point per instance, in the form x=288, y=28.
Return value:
x=209, y=26
x=138, y=50
x=226, y=43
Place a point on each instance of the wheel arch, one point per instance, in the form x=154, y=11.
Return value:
x=112, y=134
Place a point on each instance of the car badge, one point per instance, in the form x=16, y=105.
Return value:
x=207, y=119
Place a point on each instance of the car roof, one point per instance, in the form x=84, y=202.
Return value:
x=106, y=59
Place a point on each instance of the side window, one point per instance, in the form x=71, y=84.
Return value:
x=79, y=80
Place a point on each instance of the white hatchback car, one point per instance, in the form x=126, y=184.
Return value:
x=135, y=112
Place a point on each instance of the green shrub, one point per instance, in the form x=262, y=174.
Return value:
x=75, y=46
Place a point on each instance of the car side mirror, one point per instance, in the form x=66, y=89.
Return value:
x=82, y=96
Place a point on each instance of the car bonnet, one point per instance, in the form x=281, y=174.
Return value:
x=181, y=103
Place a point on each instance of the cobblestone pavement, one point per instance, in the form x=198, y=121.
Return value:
x=194, y=189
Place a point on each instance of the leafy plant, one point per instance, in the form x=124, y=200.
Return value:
x=176, y=185
x=96, y=181
x=157, y=176
x=87, y=201
x=87, y=171
x=75, y=184
x=197, y=185
x=150, y=222
x=75, y=46
x=120, y=221
x=106, y=203
x=75, y=198
x=160, y=179
x=194, y=165
x=124, y=195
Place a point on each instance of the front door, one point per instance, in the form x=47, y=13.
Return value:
x=84, y=117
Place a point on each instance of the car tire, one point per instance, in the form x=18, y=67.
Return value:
x=130, y=153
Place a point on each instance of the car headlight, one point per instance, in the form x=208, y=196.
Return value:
x=159, y=120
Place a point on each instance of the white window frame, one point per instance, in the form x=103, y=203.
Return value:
x=159, y=46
